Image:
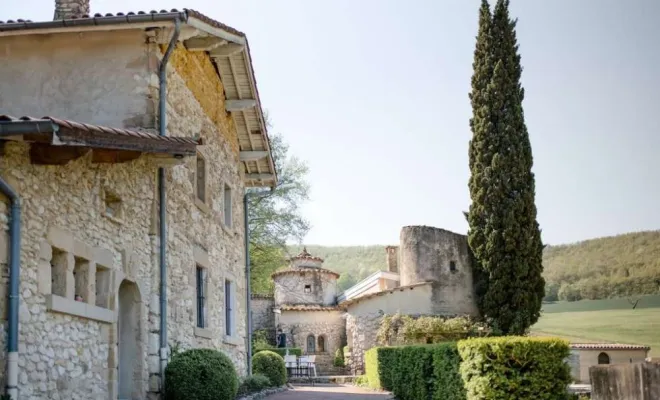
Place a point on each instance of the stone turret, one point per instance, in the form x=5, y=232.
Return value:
x=306, y=282
x=67, y=9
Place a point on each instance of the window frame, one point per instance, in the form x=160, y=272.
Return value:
x=227, y=205
x=201, y=296
x=204, y=167
x=230, y=312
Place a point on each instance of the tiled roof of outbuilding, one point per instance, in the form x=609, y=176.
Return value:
x=608, y=346
x=307, y=307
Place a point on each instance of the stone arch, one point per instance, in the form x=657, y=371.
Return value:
x=603, y=358
x=129, y=341
x=311, y=343
x=322, y=345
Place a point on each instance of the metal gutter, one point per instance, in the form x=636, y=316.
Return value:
x=162, y=100
x=14, y=280
x=12, y=128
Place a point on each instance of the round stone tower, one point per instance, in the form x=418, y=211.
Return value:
x=305, y=282
x=428, y=254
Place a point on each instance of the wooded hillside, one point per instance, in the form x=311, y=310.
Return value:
x=600, y=268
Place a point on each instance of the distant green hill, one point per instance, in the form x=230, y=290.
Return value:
x=616, y=266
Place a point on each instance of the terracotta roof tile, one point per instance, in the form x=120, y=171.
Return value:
x=608, y=346
x=74, y=125
x=305, y=255
x=307, y=307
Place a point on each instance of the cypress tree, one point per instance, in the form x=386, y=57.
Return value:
x=504, y=235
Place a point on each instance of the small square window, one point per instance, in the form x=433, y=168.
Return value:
x=81, y=279
x=452, y=266
x=228, y=208
x=200, y=178
x=113, y=205
x=308, y=288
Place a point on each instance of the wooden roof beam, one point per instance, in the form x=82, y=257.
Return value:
x=240, y=105
x=260, y=177
x=204, y=43
x=227, y=50
x=252, y=155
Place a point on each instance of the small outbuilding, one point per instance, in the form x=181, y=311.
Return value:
x=585, y=355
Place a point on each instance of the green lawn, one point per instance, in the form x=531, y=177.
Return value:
x=651, y=301
x=640, y=326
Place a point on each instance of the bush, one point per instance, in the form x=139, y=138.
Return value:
x=448, y=383
x=270, y=364
x=398, y=330
x=517, y=368
x=201, y=374
x=253, y=384
x=412, y=375
x=294, y=351
x=379, y=364
x=339, y=358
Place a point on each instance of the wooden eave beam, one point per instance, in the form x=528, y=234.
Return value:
x=260, y=177
x=111, y=141
x=252, y=155
x=204, y=43
x=240, y=105
x=226, y=50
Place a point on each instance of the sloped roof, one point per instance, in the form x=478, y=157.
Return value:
x=355, y=300
x=608, y=346
x=236, y=71
x=307, y=307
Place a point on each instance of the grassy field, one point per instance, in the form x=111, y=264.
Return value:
x=652, y=301
x=640, y=326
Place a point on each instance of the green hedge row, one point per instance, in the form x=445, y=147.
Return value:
x=505, y=368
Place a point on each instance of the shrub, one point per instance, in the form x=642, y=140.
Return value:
x=517, y=368
x=412, y=375
x=379, y=363
x=271, y=365
x=253, y=384
x=201, y=374
x=294, y=351
x=448, y=383
x=397, y=330
x=339, y=358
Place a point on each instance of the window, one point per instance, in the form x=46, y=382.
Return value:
x=229, y=308
x=603, y=358
x=59, y=266
x=81, y=279
x=200, y=177
x=201, y=296
x=228, y=208
x=102, y=286
x=452, y=266
x=113, y=205
x=321, y=344
x=308, y=288
x=311, y=344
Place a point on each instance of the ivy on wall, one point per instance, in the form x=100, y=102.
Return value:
x=397, y=329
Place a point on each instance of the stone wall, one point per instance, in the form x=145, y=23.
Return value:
x=299, y=325
x=263, y=317
x=290, y=287
x=67, y=349
x=364, y=317
x=432, y=254
x=638, y=381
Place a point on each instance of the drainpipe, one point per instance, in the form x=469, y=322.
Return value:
x=14, y=276
x=162, y=100
x=248, y=291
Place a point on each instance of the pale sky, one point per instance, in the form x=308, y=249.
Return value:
x=374, y=95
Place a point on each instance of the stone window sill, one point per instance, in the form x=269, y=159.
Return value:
x=116, y=220
x=203, y=333
x=232, y=340
x=79, y=309
x=203, y=207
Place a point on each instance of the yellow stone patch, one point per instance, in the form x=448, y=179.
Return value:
x=201, y=77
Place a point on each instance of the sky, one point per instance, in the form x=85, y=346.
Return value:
x=373, y=95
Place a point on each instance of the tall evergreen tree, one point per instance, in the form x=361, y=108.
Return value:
x=504, y=235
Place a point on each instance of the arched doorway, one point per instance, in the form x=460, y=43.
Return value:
x=128, y=345
x=603, y=358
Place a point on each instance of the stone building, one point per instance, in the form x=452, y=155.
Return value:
x=119, y=198
x=429, y=273
x=586, y=355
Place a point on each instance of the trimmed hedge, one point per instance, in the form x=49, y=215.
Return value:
x=294, y=351
x=202, y=374
x=412, y=375
x=515, y=368
x=446, y=372
x=379, y=365
x=253, y=384
x=270, y=364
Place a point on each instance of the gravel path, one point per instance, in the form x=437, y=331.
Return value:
x=329, y=392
